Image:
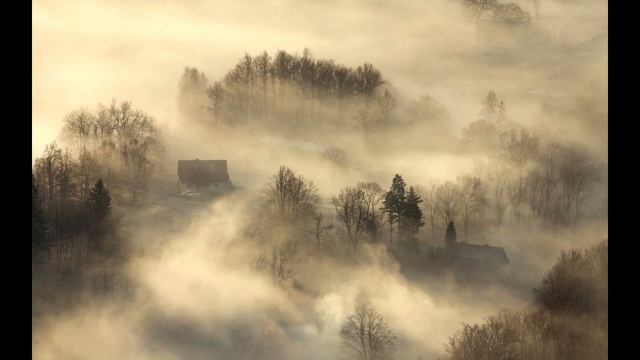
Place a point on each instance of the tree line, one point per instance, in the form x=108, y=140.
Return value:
x=292, y=91
x=120, y=144
x=291, y=211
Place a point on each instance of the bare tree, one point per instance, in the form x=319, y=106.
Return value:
x=215, y=94
x=320, y=233
x=429, y=110
x=498, y=180
x=367, y=119
x=478, y=7
x=291, y=197
x=481, y=135
x=447, y=199
x=387, y=103
x=519, y=147
x=373, y=197
x=192, y=94
x=137, y=167
x=549, y=164
x=496, y=339
x=533, y=192
x=430, y=205
x=78, y=128
x=472, y=200
x=262, y=64
x=137, y=140
x=576, y=174
x=278, y=265
x=366, y=336
x=369, y=78
x=336, y=155
x=351, y=209
x=87, y=171
x=493, y=109
x=511, y=13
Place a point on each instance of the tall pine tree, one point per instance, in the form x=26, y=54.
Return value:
x=410, y=219
x=99, y=201
x=393, y=203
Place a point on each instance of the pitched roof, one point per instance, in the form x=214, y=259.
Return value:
x=203, y=171
x=483, y=253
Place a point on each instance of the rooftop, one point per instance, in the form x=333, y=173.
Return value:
x=484, y=253
x=203, y=171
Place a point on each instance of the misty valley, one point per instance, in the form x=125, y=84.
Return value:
x=300, y=206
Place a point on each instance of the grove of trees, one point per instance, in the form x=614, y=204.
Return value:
x=109, y=155
x=289, y=92
x=265, y=88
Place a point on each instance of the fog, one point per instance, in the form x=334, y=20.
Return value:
x=87, y=53
x=189, y=289
x=197, y=298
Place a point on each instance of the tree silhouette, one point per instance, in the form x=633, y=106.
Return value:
x=38, y=224
x=351, y=210
x=284, y=86
x=410, y=219
x=99, y=201
x=393, y=203
x=366, y=336
x=450, y=237
x=291, y=197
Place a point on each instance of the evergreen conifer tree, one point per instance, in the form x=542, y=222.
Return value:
x=410, y=219
x=99, y=201
x=393, y=202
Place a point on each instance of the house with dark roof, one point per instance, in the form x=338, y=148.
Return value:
x=477, y=262
x=204, y=176
x=474, y=260
x=478, y=257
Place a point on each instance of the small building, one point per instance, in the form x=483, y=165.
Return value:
x=477, y=262
x=204, y=176
x=471, y=260
x=479, y=257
